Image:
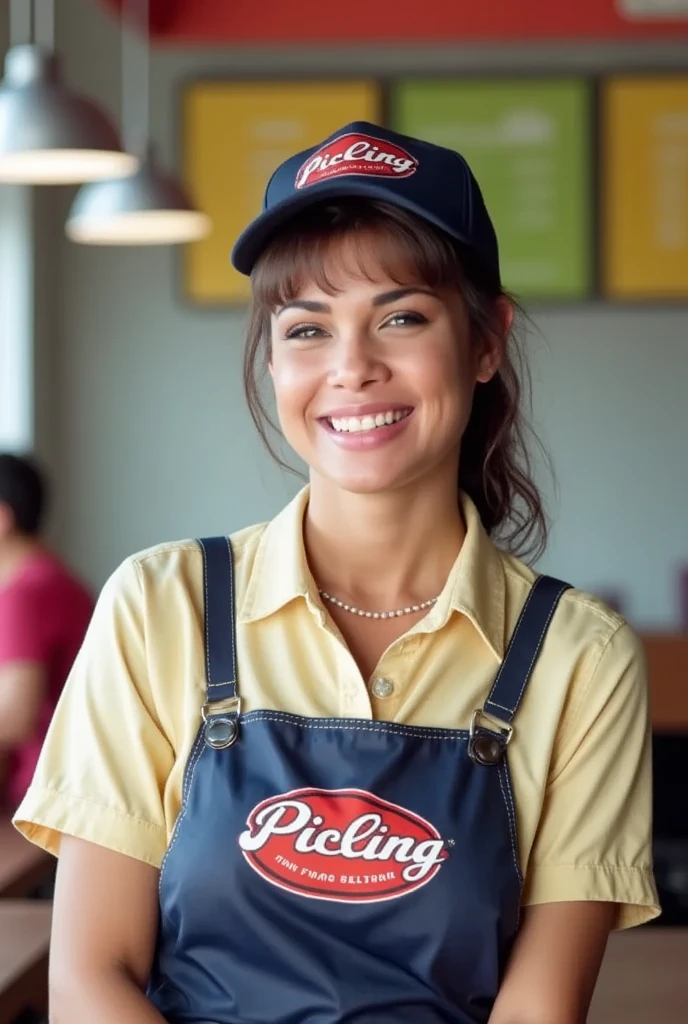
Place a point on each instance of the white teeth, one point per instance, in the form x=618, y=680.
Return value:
x=355, y=424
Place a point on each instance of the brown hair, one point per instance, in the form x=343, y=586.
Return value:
x=495, y=466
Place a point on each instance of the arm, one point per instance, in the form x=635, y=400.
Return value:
x=23, y=665
x=590, y=867
x=554, y=965
x=22, y=689
x=103, y=937
x=96, y=800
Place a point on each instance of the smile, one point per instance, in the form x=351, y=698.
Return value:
x=357, y=424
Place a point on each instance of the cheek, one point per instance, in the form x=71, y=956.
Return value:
x=447, y=383
x=293, y=385
x=446, y=372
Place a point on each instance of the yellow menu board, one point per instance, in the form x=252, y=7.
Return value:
x=644, y=179
x=235, y=135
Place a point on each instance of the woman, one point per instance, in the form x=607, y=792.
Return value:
x=358, y=764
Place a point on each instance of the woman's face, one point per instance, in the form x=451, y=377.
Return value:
x=374, y=384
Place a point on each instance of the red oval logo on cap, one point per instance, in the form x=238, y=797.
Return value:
x=342, y=844
x=356, y=154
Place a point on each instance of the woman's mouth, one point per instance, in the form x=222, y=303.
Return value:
x=369, y=432
x=359, y=424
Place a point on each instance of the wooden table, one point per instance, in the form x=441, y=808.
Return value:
x=644, y=978
x=667, y=665
x=23, y=866
x=24, y=945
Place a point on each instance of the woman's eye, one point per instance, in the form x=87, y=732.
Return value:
x=405, y=319
x=304, y=331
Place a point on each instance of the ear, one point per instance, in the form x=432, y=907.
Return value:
x=7, y=520
x=494, y=341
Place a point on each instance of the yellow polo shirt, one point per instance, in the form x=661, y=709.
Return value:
x=112, y=766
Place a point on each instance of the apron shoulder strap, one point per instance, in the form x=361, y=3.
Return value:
x=524, y=648
x=491, y=727
x=220, y=629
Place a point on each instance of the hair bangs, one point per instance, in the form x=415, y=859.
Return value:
x=334, y=243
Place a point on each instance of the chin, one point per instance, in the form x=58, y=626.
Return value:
x=365, y=482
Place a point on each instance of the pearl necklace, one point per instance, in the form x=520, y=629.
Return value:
x=378, y=615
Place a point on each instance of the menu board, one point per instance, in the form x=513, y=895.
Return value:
x=644, y=178
x=528, y=144
x=235, y=135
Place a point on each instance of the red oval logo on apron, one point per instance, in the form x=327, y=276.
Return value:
x=356, y=154
x=341, y=844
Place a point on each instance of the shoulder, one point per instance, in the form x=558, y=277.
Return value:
x=589, y=648
x=26, y=590
x=47, y=578
x=175, y=567
x=65, y=586
x=161, y=558
x=263, y=555
x=589, y=684
x=580, y=614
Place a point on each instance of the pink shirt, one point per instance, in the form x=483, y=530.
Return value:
x=44, y=613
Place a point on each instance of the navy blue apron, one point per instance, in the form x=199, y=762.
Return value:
x=341, y=871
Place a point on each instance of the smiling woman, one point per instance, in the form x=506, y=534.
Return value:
x=359, y=764
x=365, y=242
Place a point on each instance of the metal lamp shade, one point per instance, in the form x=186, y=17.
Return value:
x=148, y=208
x=49, y=135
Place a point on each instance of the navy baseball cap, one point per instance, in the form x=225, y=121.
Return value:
x=362, y=159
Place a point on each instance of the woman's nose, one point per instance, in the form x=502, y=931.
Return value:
x=356, y=363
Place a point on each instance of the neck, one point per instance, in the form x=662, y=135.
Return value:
x=15, y=550
x=383, y=550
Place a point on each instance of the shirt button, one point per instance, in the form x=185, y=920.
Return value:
x=382, y=687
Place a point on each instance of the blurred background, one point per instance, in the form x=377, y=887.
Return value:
x=121, y=366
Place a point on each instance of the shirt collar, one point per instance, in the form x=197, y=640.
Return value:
x=475, y=586
x=280, y=572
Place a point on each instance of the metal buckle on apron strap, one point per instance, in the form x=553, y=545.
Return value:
x=221, y=722
x=486, y=746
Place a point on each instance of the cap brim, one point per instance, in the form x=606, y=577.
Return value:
x=256, y=236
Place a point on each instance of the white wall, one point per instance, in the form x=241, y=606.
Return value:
x=610, y=393
x=151, y=434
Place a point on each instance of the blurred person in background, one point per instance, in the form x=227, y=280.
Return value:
x=44, y=614
x=361, y=764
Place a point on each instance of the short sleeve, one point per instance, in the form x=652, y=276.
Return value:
x=105, y=760
x=22, y=636
x=594, y=840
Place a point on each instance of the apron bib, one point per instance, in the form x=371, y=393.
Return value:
x=324, y=871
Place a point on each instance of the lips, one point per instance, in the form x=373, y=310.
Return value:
x=366, y=428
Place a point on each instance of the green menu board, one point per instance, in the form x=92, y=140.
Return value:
x=528, y=144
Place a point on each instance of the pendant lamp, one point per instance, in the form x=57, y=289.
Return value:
x=149, y=207
x=49, y=135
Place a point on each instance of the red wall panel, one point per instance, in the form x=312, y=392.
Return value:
x=201, y=22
